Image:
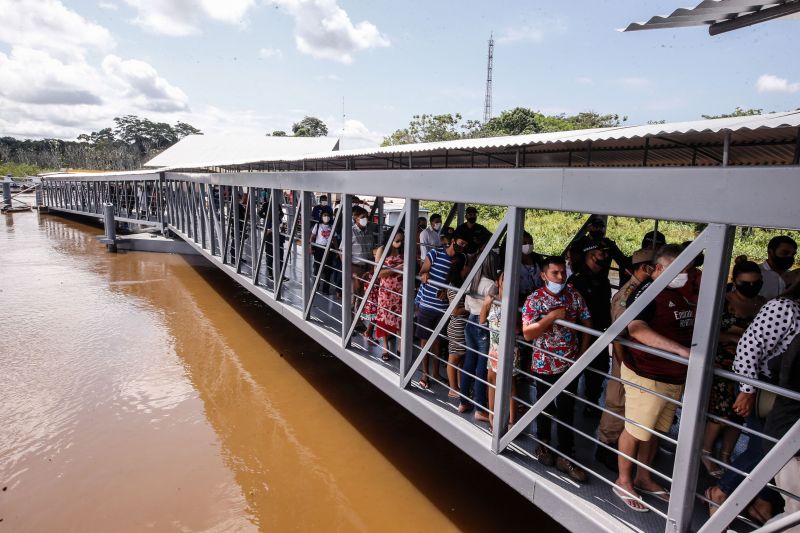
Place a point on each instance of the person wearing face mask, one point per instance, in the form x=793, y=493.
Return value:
x=390, y=295
x=476, y=234
x=742, y=302
x=432, y=302
x=321, y=234
x=591, y=280
x=363, y=241
x=614, y=396
x=666, y=323
x=556, y=300
x=322, y=207
x=596, y=234
x=781, y=251
x=429, y=238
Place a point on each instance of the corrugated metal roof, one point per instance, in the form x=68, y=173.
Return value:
x=711, y=12
x=197, y=151
x=733, y=124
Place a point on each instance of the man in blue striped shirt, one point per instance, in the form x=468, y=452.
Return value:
x=431, y=300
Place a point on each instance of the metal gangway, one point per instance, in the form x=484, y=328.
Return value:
x=254, y=220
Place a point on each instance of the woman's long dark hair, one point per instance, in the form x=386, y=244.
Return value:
x=387, y=241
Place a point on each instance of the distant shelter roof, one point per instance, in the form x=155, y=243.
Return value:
x=196, y=151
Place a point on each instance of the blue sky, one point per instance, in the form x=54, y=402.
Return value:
x=252, y=66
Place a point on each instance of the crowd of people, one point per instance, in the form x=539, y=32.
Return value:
x=557, y=294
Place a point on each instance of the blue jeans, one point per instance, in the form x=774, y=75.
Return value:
x=475, y=363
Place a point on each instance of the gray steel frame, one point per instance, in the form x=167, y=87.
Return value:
x=719, y=197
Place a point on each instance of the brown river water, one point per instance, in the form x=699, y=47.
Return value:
x=150, y=392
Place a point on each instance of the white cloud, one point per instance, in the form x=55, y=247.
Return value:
x=324, y=30
x=35, y=77
x=530, y=33
x=270, y=53
x=48, y=25
x=328, y=77
x=107, y=5
x=179, y=18
x=768, y=83
x=634, y=82
x=142, y=83
x=355, y=134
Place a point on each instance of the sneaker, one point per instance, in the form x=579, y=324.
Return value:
x=544, y=456
x=571, y=469
x=607, y=458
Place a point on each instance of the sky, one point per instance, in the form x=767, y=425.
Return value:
x=365, y=68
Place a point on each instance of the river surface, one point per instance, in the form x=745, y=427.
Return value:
x=150, y=392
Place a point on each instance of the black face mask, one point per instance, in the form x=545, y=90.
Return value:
x=472, y=219
x=597, y=234
x=749, y=289
x=784, y=263
x=457, y=248
x=699, y=260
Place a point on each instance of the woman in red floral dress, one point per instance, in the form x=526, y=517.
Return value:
x=390, y=296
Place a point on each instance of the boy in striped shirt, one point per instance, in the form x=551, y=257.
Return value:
x=431, y=300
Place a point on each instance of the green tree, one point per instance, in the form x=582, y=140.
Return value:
x=738, y=112
x=277, y=133
x=429, y=128
x=103, y=137
x=183, y=129
x=310, y=127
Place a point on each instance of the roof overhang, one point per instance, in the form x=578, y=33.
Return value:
x=722, y=15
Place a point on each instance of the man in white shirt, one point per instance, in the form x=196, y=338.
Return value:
x=781, y=252
x=429, y=238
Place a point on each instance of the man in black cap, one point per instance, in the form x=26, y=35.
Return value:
x=476, y=234
x=591, y=280
x=596, y=234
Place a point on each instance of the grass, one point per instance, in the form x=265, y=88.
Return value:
x=19, y=169
x=553, y=230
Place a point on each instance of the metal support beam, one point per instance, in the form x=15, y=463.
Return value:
x=406, y=347
x=718, y=243
x=277, y=217
x=508, y=316
x=347, y=266
x=305, y=246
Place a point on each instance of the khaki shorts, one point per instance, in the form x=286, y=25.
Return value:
x=647, y=409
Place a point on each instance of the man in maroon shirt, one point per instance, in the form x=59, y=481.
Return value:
x=666, y=324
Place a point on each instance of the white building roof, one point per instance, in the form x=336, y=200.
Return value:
x=197, y=151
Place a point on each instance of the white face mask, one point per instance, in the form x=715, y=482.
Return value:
x=679, y=281
x=323, y=203
x=362, y=221
x=554, y=287
x=527, y=248
x=437, y=225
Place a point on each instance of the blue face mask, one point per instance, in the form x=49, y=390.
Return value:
x=554, y=287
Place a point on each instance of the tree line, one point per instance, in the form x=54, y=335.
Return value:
x=129, y=144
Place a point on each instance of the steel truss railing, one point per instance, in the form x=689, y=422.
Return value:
x=204, y=210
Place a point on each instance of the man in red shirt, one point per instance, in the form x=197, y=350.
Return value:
x=667, y=324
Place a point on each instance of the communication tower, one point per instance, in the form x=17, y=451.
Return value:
x=487, y=105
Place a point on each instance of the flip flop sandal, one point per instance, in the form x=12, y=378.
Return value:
x=662, y=495
x=423, y=384
x=628, y=501
x=712, y=507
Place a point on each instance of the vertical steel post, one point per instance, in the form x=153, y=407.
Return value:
x=508, y=317
x=111, y=227
x=237, y=228
x=719, y=245
x=726, y=149
x=251, y=205
x=6, y=194
x=406, y=348
x=347, y=265
x=277, y=214
x=462, y=210
x=305, y=245
x=162, y=183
